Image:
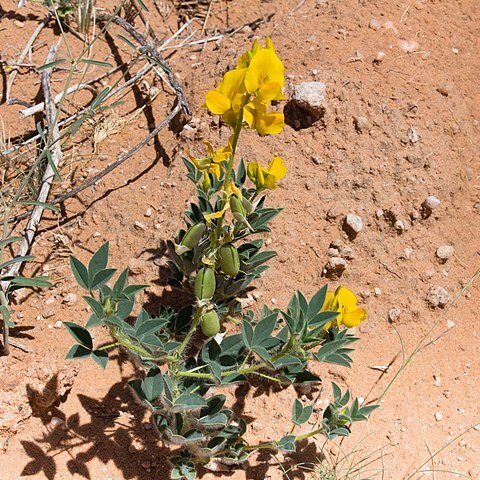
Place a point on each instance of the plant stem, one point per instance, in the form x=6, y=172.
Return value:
x=320, y=430
x=193, y=327
x=6, y=330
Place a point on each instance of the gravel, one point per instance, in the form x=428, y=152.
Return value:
x=444, y=252
x=361, y=124
x=438, y=297
x=394, y=314
x=334, y=267
x=353, y=225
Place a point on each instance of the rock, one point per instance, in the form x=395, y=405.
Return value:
x=352, y=225
x=136, y=266
x=139, y=225
x=70, y=299
x=48, y=312
x=148, y=212
x=445, y=89
x=377, y=291
x=375, y=24
x=334, y=267
x=55, y=421
x=394, y=314
x=409, y=46
x=450, y=323
x=379, y=213
x=438, y=416
x=437, y=297
x=307, y=104
x=399, y=226
x=444, y=252
x=437, y=380
x=429, y=205
x=412, y=135
x=379, y=57
x=19, y=24
x=58, y=324
x=333, y=213
x=361, y=124
x=407, y=253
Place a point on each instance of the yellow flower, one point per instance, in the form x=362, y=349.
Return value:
x=343, y=301
x=248, y=90
x=268, y=178
x=226, y=100
x=212, y=162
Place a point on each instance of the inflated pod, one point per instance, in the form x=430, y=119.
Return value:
x=237, y=208
x=191, y=239
x=229, y=260
x=204, y=287
x=210, y=323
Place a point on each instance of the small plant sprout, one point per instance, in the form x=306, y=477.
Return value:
x=212, y=260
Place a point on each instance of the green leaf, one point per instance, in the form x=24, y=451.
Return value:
x=48, y=206
x=101, y=357
x=132, y=289
x=144, y=7
x=93, y=321
x=98, y=262
x=287, y=443
x=120, y=283
x=80, y=334
x=99, y=99
x=247, y=334
x=48, y=65
x=25, y=258
x=6, y=315
x=317, y=302
x=301, y=414
x=153, y=384
x=95, y=62
x=8, y=241
x=102, y=277
x=187, y=401
x=78, y=351
x=264, y=329
x=127, y=41
x=31, y=282
x=80, y=272
x=95, y=305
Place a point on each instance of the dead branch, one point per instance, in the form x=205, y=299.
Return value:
x=41, y=106
x=25, y=51
x=151, y=50
x=48, y=176
x=72, y=193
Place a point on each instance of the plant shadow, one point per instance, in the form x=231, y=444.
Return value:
x=116, y=432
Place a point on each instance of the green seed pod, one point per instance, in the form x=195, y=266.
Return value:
x=238, y=210
x=247, y=205
x=229, y=260
x=204, y=287
x=210, y=323
x=191, y=239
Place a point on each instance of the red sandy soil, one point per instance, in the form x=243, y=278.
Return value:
x=333, y=170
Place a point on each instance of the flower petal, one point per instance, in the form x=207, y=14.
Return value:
x=269, y=123
x=277, y=168
x=217, y=103
x=354, y=318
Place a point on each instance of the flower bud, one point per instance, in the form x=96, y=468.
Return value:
x=229, y=260
x=237, y=208
x=210, y=323
x=204, y=287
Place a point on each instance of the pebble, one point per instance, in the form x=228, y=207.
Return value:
x=70, y=299
x=437, y=380
x=379, y=213
x=375, y=24
x=394, y=314
x=377, y=291
x=438, y=416
x=407, y=253
x=361, y=124
x=139, y=225
x=412, y=135
x=311, y=96
x=334, y=267
x=148, y=212
x=19, y=24
x=55, y=421
x=437, y=297
x=446, y=89
x=409, y=46
x=353, y=225
x=429, y=205
x=450, y=323
x=444, y=252
x=399, y=226
x=379, y=57
x=58, y=324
